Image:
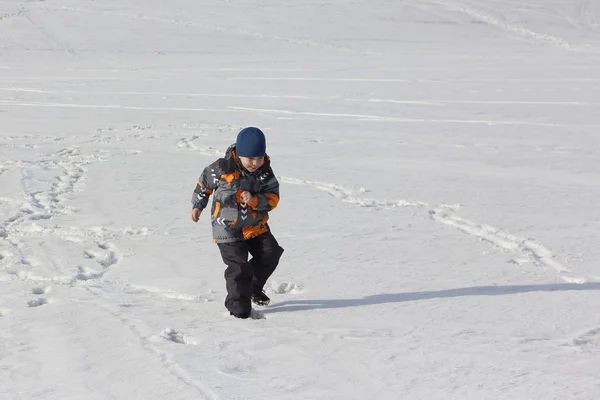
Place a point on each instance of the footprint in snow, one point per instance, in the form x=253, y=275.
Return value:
x=588, y=339
x=31, y=262
x=283, y=287
x=40, y=301
x=40, y=290
x=177, y=337
x=86, y=274
x=104, y=254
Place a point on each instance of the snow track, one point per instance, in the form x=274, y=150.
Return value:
x=488, y=17
x=446, y=214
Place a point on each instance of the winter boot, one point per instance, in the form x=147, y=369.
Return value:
x=260, y=299
x=242, y=316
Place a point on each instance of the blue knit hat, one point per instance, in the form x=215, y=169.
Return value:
x=251, y=143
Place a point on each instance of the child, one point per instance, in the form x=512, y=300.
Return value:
x=244, y=190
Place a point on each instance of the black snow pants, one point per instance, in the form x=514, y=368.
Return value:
x=244, y=278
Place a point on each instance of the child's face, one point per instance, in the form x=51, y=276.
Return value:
x=252, y=164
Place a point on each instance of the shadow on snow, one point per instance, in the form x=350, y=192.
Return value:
x=303, y=305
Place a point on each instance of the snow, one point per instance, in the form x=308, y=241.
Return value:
x=440, y=173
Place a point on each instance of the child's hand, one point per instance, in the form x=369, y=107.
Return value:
x=246, y=197
x=195, y=214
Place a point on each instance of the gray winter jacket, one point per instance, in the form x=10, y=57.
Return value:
x=226, y=179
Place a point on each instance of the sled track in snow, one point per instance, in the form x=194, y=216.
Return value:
x=588, y=9
x=20, y=11
x=149, y=345
x=446, y=214
x=210, y=27
x=317, y=115
x=487, y=17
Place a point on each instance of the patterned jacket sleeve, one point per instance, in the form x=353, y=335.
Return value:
x=268, y=199
x=204, y=187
